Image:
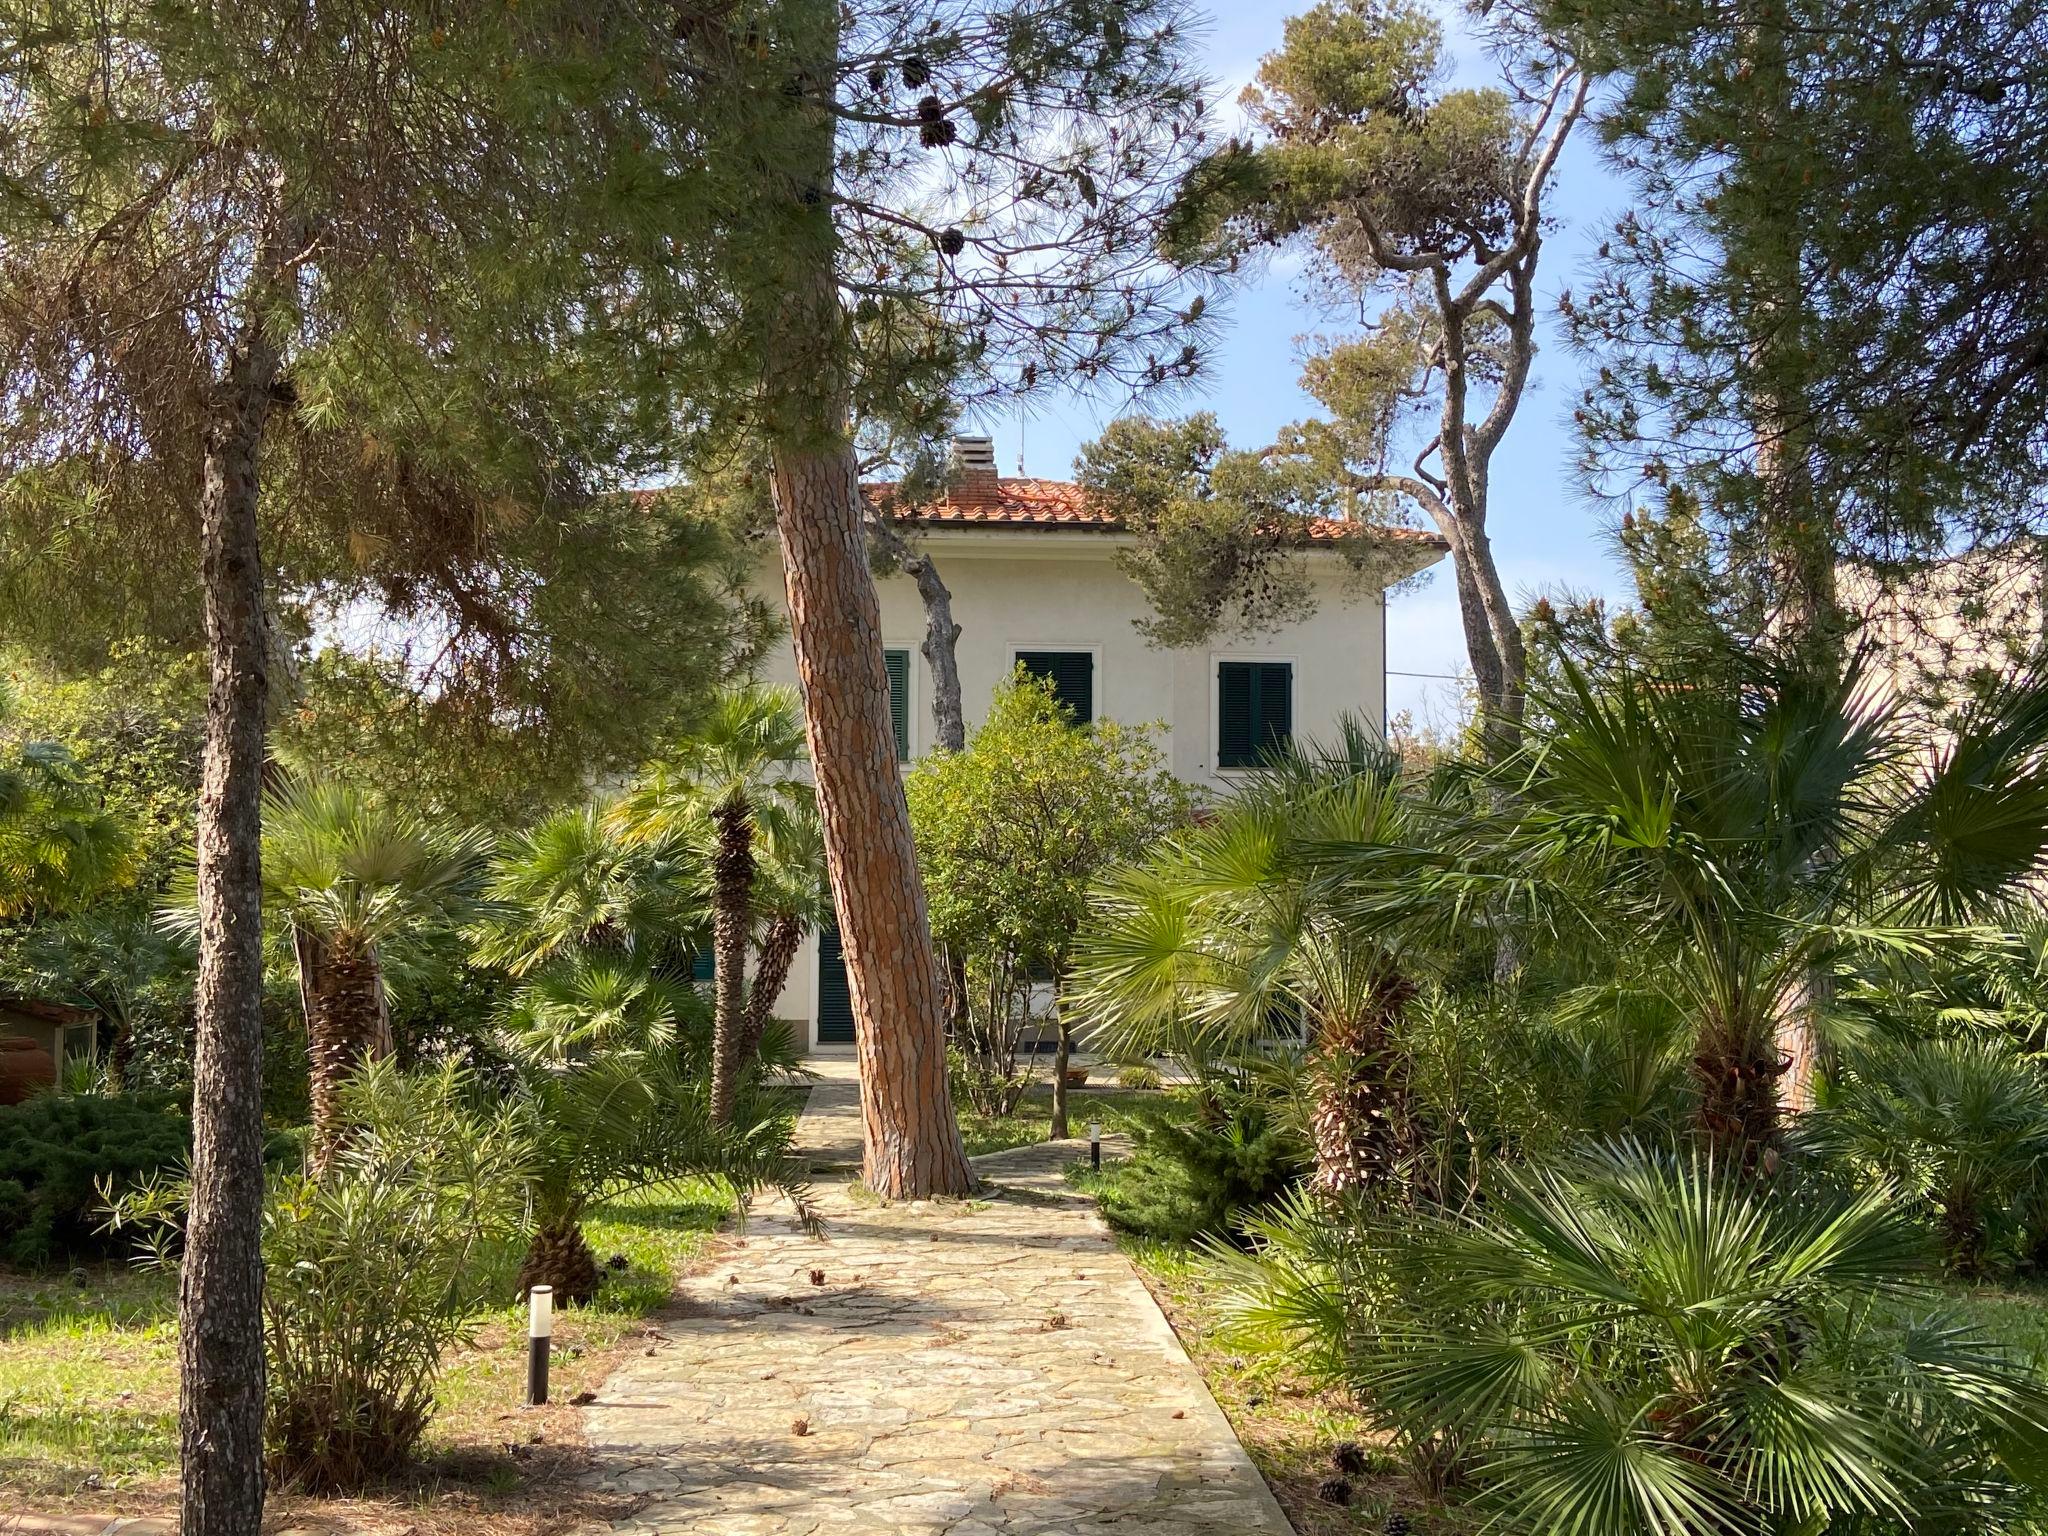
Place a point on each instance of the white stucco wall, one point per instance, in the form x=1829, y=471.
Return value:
x=1057, y=590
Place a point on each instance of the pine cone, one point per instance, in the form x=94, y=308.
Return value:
x=878, y=78
x=1349, y=1459
x=952, y=242
x=937, y=135
x=1334, y=1491
x=916, y=71
x=1397, y=1524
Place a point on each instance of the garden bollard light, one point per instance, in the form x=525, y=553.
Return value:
x=1095, y=1145
x=540, y=1328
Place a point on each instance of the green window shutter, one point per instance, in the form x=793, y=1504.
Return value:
x=1254, y=711
x=835, y=994
x=1234, y=714
x=1073, y=678
x=704, y=965
x=1276, y=705
x=899, y=700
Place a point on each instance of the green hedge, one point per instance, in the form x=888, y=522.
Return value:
x=53, y=1153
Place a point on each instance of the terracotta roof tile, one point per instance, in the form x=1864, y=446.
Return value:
x=983, y=500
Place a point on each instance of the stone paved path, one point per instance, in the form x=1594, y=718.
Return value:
x=968, y=1368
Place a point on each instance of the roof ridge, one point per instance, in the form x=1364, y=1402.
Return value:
x=1005, y=501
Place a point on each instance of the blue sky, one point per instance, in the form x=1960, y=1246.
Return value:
x=1546, y=536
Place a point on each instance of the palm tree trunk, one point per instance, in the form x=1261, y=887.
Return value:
x=1736, y=1073
x=220, y=1292
x=772, y=960
x=1062, y=1056
x=346, y=1026
x=732, y=897
x=560, y=1256
x=1358, y=1092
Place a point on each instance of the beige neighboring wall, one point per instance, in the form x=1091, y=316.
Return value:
x=1933, y=634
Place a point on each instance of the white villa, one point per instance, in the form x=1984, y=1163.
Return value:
x=1034, y=580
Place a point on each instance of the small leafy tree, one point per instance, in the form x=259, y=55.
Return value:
x=1014, y=830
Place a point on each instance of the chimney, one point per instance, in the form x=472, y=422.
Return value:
x=972, y=471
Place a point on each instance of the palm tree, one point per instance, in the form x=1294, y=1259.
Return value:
x=623, y=1122
x=591, y=1003
x=1748, y=827
x=1641, y=1345
x=1239, y=931
x=789, y=899
x=1961, y=1123
x=735, y=772
x=348, y=874
x=58, y=848
x=577, y=883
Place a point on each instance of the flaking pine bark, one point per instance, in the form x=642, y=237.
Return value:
x=220, y=1305
x=912, y=1139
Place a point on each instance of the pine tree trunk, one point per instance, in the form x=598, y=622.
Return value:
x=220, y=1297
x=346, y=1026
x=941, y=633
x=913, y=1140
x=732, y=886
x=942, y=654
x=772, y=960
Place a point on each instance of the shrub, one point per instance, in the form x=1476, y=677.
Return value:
x=1139, y=1078
x=55, y=1155
x=1639, y=1343
x=1189, y=1179
x=1961, y=1124
x=373, y=1270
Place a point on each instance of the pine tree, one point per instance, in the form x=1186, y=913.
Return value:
x=1817, y=329
x=954, y=202
x=314, y=273
x=1428, y=204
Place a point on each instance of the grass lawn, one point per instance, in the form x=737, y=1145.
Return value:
x=88, y=1390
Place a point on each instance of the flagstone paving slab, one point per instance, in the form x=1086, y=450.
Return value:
x=983, y=1368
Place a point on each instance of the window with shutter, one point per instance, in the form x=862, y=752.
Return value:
x=1254, y=711
x=1072, y=674
x=899, y=700
x=835, y=995
x=704, y=965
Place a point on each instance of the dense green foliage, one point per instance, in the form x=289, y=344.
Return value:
x=1642, y=1342
x=1011, y=833
x=1812, y=271
x=60, y=1155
